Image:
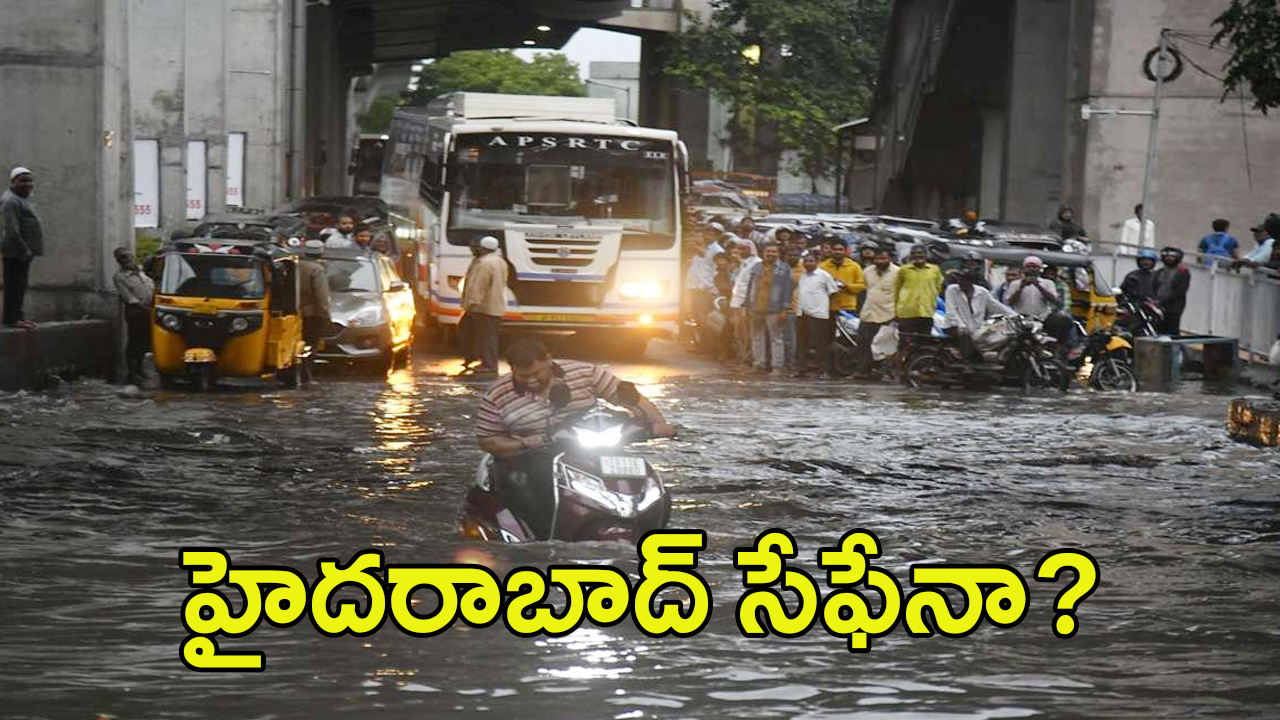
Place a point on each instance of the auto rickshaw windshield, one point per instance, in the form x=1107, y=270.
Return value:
x=213, y=276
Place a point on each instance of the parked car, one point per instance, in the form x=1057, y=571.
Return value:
x=372, y=311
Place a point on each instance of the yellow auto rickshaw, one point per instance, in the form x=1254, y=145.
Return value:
x=226, y=308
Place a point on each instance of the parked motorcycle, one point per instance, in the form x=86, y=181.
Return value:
x=1102, y=360
x=599, y=491
x=1139, y=319
x=1026, y=359
x=844, y=346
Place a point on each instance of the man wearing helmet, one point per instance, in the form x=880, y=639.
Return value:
x=1033, y=295
x=1139, y=285
x=1171, y=283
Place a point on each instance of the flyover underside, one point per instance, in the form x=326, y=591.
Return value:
x=399, y=30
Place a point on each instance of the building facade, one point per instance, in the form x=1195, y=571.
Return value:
x=980, y=108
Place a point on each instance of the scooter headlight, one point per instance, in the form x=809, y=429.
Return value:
x=592, y=489
x=239, y=325
x=609, y=437
x=170, y=322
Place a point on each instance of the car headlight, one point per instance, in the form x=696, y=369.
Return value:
x=367, y=317
x=644, y=290
x=591, y=488
x=239, y=325
x=610, y=437
x=170, y=322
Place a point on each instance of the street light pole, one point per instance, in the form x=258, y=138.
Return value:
x=626, y=90
x=1152, y=139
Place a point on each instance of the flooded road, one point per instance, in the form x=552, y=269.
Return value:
x=99, y=489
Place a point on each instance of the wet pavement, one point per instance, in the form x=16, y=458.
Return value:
x=99, y=488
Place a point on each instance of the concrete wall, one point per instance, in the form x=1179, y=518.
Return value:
x=207, y=69
x=65, y=88
x=620, y=81
x=1201, y=171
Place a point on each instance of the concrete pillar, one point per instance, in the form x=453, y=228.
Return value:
x=326, y=98
x=1037, y=110
x=64, y=80
x=993, y=135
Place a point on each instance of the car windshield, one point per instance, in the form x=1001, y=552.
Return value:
x=213, y=276
x=549, y=178
x=351, y=276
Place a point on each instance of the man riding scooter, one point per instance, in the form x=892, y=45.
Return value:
x=969, y=305
x=521, y=412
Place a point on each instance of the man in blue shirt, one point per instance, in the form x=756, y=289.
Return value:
x=1219, y=244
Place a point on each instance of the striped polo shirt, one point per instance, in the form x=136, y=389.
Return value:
x=504, y=410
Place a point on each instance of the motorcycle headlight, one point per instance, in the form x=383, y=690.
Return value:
x=609, y=437
x=170, y=322
x=592, y=489
x=367, y=317
x=645, y=290
x=239, y=325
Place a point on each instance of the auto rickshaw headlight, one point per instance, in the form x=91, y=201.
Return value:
x=170, y=322
x=239, y=325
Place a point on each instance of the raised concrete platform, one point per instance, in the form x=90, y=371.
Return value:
x=36, y=359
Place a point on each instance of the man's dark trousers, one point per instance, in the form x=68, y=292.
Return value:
x=16, y=271
x=484, y=332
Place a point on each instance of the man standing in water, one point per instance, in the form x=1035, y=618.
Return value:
x=136, y=291
x=21, y=241
x=484, y=302
x=315, y=305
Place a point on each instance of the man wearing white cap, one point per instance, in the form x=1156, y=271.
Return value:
x=21, y=240
x=484, y=302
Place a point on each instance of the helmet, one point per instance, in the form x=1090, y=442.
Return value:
x=1146, y=254
x=972, y=265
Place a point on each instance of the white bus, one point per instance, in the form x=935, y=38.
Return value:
x=586, y=208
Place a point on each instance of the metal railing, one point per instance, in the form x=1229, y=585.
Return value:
x=1243, y=304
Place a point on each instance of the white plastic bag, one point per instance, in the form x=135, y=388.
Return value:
x=885, y=343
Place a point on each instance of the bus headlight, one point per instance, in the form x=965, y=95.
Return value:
x=646, y=290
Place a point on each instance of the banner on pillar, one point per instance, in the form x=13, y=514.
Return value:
x=146, y=183
x=235, y=169
x=197, y=179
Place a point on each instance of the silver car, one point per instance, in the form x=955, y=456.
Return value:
x=372, y=310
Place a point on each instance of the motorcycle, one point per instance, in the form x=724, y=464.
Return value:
x=844, y=346
x=599, y=492
x=1103, y=360
x=1139, y=319
x=1026, y=358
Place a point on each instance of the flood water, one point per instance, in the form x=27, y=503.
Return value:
x=99, y=489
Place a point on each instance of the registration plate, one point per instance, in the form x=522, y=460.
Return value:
x=545, y=317
x=615, y=466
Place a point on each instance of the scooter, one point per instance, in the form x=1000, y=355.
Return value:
x=599, y=491
x=1139, y=319
x=844, y=346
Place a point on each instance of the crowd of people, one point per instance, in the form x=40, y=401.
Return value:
x=775, y=296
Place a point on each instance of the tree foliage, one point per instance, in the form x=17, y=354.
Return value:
x=498, y=71
x=378, y=119
x=817, y=66
x=1252, y=30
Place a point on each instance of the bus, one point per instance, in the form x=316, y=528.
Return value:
x=586, y=209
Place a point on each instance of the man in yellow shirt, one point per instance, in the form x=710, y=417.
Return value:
x=916, y=293
x=846, y=273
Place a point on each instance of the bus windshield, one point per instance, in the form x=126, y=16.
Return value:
x=213, y=276
x=561, y=179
